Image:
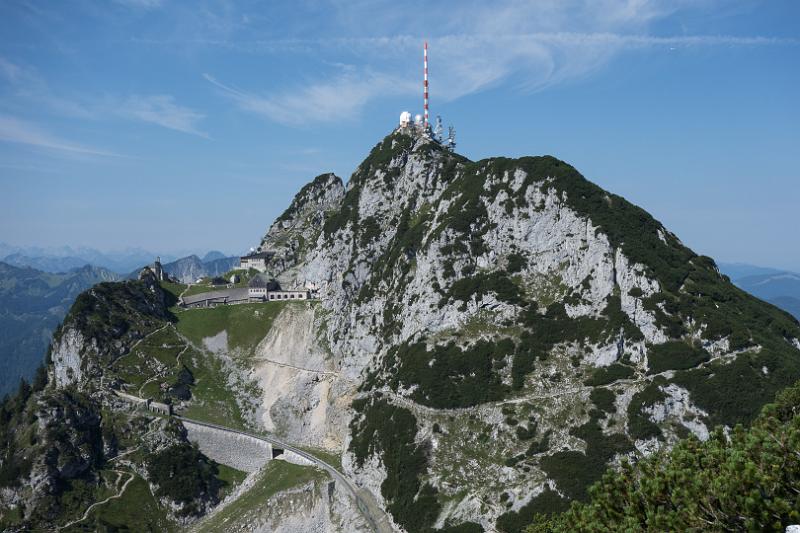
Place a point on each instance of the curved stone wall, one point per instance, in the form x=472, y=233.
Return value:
x=241, y=452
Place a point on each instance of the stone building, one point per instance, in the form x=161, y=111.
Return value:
x=263, y=290
x=257, y=288
x=256, y=260
x=288, y=295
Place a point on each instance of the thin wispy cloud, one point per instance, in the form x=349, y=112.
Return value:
x=331, y=100
x=141, y=4
x=22, y=132
x=162, y=110
x=480, y=45
x=9, y=71
x=25, y=86
x=461, y=65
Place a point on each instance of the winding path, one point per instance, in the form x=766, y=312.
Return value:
x=300, y=368
x=102, y=502
x=374, y=515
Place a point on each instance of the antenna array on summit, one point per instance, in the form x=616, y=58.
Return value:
x=421, y=123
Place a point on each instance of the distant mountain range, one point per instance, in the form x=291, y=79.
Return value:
x=779, y=287
x=189, y=269
x=66, y=258
x=32, y=304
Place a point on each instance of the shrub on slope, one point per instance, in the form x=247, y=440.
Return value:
x=749, y=480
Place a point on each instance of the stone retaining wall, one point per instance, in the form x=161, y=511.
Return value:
x=241, y=452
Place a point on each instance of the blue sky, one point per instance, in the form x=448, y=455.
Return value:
x=190, y=125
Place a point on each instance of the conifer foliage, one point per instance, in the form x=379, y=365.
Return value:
x=748, y=480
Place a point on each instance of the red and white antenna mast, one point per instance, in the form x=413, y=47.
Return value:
x=425, y=83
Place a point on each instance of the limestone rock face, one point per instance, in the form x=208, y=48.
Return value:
x=502, y=320
x=302, y=393
x=67, y=359
x=105, y=323
x=317, y=506
x=299, y=226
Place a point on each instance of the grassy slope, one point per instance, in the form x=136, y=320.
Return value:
x=231, y=478
x=246, y=324
x=159, y=358
x=277, y=476
x=137, y=510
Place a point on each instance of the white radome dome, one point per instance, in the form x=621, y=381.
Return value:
x=418, y=119
x=405, y=118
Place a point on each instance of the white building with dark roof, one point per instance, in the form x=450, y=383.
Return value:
x=256, y=260
x=257, y=288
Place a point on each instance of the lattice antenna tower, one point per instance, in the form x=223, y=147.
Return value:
x=438, y=131
x=425, y=85
x=451, y=138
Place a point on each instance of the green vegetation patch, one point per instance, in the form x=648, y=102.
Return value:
x=574, y=471
x=639, y=424
x=391, y=431
x=466, y=527
x=478, y=285
x=674, y=355
x=185, y=476
x=731, y=392
x=245, y=324
x=213, y=399
x=229, y=479
x=609, y=374
x=449, y=376
x=276, y=477
x=516, y=262
x=174, y=290
x=136, y=510
x=603, y=399
x=748, y=482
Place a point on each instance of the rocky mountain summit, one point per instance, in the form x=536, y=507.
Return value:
x=300, y=225
x=513, y=329
x=490, y=337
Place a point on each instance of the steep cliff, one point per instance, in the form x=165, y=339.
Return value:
x=513, y=328
x=103, y=324
x=299, y=227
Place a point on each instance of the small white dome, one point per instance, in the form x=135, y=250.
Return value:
x=418, y=119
